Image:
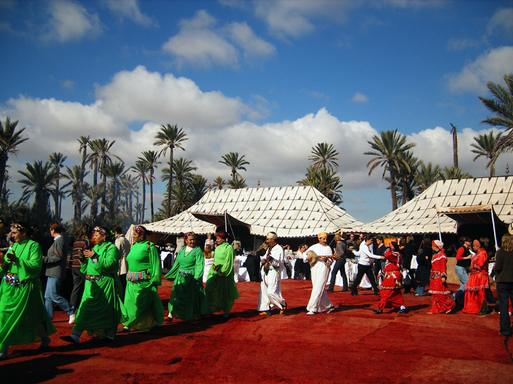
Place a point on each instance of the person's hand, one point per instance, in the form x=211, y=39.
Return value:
x=88, y=253
x=443, y=280
x=2, y=258
x=12, y=256
x=262, y=261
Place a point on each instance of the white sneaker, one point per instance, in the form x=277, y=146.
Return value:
x=310, y=313
x=72, y=318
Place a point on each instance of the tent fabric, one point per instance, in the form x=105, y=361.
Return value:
x=419, y=216
x=475, y=215
x=288, y=211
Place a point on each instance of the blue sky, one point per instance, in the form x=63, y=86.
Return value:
x=267, y=79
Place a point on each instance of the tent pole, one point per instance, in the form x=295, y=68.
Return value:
x=439, y=230
x=494, y=230
x=225, y=223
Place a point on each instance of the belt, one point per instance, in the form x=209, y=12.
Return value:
x=13, y=280
x=138, y=277
x=94, y=277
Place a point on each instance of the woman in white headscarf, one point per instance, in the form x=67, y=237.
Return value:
x=441, y=298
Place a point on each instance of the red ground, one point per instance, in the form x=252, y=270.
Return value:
x=351, y=344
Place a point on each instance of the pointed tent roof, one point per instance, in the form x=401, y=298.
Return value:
x=419, y=215
x=289, y=211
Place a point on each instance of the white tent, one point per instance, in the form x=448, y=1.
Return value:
x=431, y=212
x=288, y=211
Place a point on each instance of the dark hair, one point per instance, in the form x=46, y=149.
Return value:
x=83, y=232
x=57, y=227
x=117, y=229
x=426, y=241
x=23, y=226
x=463, y=239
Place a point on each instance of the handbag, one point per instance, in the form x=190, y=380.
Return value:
x=414, y=264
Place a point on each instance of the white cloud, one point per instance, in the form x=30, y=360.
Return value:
x=70, y=21
x=459, y=44
x=140, y=95
x=252, y=45
x=501, y=22
x=360, y=98
x=490, y=66
x=287, y=18
x=130, y=10
x=68, y=84
x=200, y=42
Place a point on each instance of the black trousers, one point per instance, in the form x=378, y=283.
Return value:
x=504, y=294
x=364, y=270
x=340, y=265
x=78, y=288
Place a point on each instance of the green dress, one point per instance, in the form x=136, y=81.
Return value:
x=101, y=309
x=21, y=300
x=187, y=301
x=220, y=289
x=142, y=302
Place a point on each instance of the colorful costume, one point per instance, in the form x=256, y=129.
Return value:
x=220, y=290
x=142, y=302
x=390, y=288
x=187, y=301
x=441, y=298
x=477, y=283
x=21, y=299
x=101, y=309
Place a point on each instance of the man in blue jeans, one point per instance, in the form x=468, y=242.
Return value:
x=55, y=270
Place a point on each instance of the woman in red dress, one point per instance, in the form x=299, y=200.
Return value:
x=475, y=296
x=441, y=298
x=390, y=288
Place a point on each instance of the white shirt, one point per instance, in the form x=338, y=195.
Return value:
x=277, y=256
x=321, y=250
x=365, y=255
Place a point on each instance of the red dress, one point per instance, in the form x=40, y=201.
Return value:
x=477, y=283
x=441, y=298
x=390, y=288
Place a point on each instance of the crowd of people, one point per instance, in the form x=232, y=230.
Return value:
x=115, y=283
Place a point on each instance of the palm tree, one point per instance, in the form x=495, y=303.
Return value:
x=325, y=181
x=76, y=175
x=426, y=176
x=324, y=156
x=486, y=146
x=141, y=170
x=129, y=189
x=93, y=193
x=198, y=188
x=150, y=158
x=502, y=106
x=182, y=171
x=219, y=182
x=170, y=137
x=114, y=171
x=406, y=178
x=39, y=181
x=84, y=143
x=388, y=151
x=98, y=160
x=235, y=163
x=57, y=159
x=9, y=141
x=451, y=173
x=454, y=132
x=237, y=183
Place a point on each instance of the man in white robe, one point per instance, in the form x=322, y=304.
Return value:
x=320, y=272
x=270, y=287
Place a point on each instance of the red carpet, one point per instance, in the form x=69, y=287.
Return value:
x=349, y=345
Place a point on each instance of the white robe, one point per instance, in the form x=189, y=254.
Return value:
x=320, y=272
x=270, y=287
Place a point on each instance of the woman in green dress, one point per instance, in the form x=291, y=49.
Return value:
x=23, y=317
x=187, y=301
x=142, y=302
x=101, y=309
x=220, y=290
